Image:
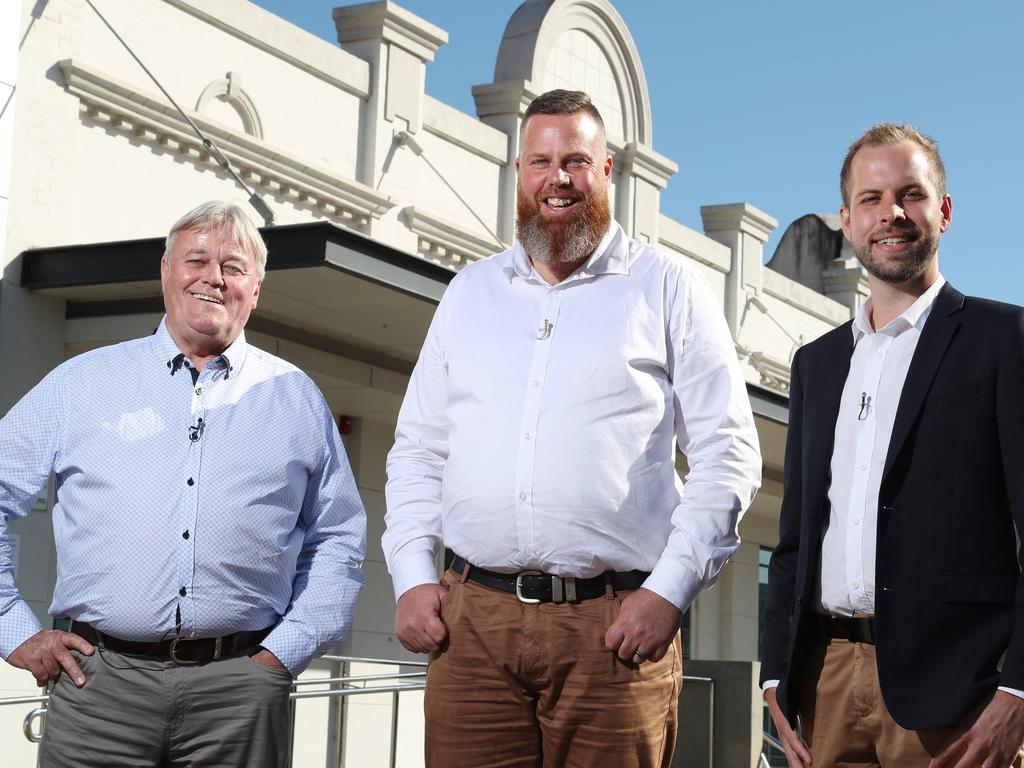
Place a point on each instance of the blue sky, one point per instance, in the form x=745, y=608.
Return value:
x=758, y=101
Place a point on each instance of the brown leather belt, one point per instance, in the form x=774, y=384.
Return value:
x=537, y=587
x=856, y=630
x=184, y=651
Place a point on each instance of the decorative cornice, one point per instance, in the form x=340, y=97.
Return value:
x=774, y=373
x=150, y=121
x=445, y=242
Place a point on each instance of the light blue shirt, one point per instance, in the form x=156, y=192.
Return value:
x=225, y=503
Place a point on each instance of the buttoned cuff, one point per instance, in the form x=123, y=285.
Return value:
x=769, y=684
x=674, y=582
x=293, y=647
x=413, y=571
x=1012, y=691
x=17, y=626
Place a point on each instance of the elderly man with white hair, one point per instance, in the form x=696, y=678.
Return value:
x=208, y=530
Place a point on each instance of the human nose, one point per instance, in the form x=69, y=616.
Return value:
x=893, y=212
x=559, y=176
x=213, y=274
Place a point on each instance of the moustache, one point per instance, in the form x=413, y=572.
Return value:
x=899, y=230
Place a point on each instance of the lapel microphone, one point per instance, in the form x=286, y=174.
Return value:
x=865, y=406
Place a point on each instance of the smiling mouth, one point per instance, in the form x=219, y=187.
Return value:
x=204, y=297
x=560, y=202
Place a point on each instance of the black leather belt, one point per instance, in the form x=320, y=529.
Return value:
x=183, y=651
x=856, y=630
x=537, y=587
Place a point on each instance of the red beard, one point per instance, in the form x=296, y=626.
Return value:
x=565, y=239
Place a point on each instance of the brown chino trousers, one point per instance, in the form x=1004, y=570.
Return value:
x=532, y=686
x=844, y=719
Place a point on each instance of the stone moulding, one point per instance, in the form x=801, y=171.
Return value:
x=774, y=373
x=803, y=298
x=149, y=120
x=444, y=242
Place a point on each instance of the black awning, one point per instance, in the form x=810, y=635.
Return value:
x=54, y=270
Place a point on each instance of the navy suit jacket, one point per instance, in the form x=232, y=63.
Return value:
x=949, y=597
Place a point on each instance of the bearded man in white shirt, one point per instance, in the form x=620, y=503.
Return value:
x=537, y=441
x=894, y=626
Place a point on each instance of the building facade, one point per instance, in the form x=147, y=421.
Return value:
x=380, y=193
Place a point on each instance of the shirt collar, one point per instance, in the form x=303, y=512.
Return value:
x=913, y=316
x=610, y=257
x=231, y=359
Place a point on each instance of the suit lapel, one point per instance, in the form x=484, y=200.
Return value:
x=825, y=390
x=931, y=348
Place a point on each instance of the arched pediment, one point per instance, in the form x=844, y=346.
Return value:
x=230, y=92
x=581, y=45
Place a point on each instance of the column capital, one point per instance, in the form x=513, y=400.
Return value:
x=385, y=21
x=738, y=217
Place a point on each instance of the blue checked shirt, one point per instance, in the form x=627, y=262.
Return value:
x=224, y=501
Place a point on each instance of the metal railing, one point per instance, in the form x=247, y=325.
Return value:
x=347, y=685
x=770, y=743
x=339, y=687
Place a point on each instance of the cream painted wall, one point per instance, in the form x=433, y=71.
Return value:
x=76, y=178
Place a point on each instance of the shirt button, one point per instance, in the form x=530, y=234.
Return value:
x=878, y=355
x=527, y=435
x=862, y=467
x=182, y=591
x=190, y=481
x=522, y=497
x=184, y=535
x=534, y=383
x=856, y=586
x=855, y=524
x=199, y=390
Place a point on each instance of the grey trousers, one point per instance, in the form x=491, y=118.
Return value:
x=154, y=714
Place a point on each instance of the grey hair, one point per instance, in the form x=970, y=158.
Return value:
x=228, y=219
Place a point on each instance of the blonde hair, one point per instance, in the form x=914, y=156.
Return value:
x=889, y=134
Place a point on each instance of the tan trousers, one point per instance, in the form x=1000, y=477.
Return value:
x=532, y=686
x=844, y=720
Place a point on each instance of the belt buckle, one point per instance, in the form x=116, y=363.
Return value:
x=519, y=587
x=172, y=650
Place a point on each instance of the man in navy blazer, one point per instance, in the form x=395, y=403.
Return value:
x=894, y=630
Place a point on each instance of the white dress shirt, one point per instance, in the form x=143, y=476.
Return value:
x=540, y=425
x=867, y=412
